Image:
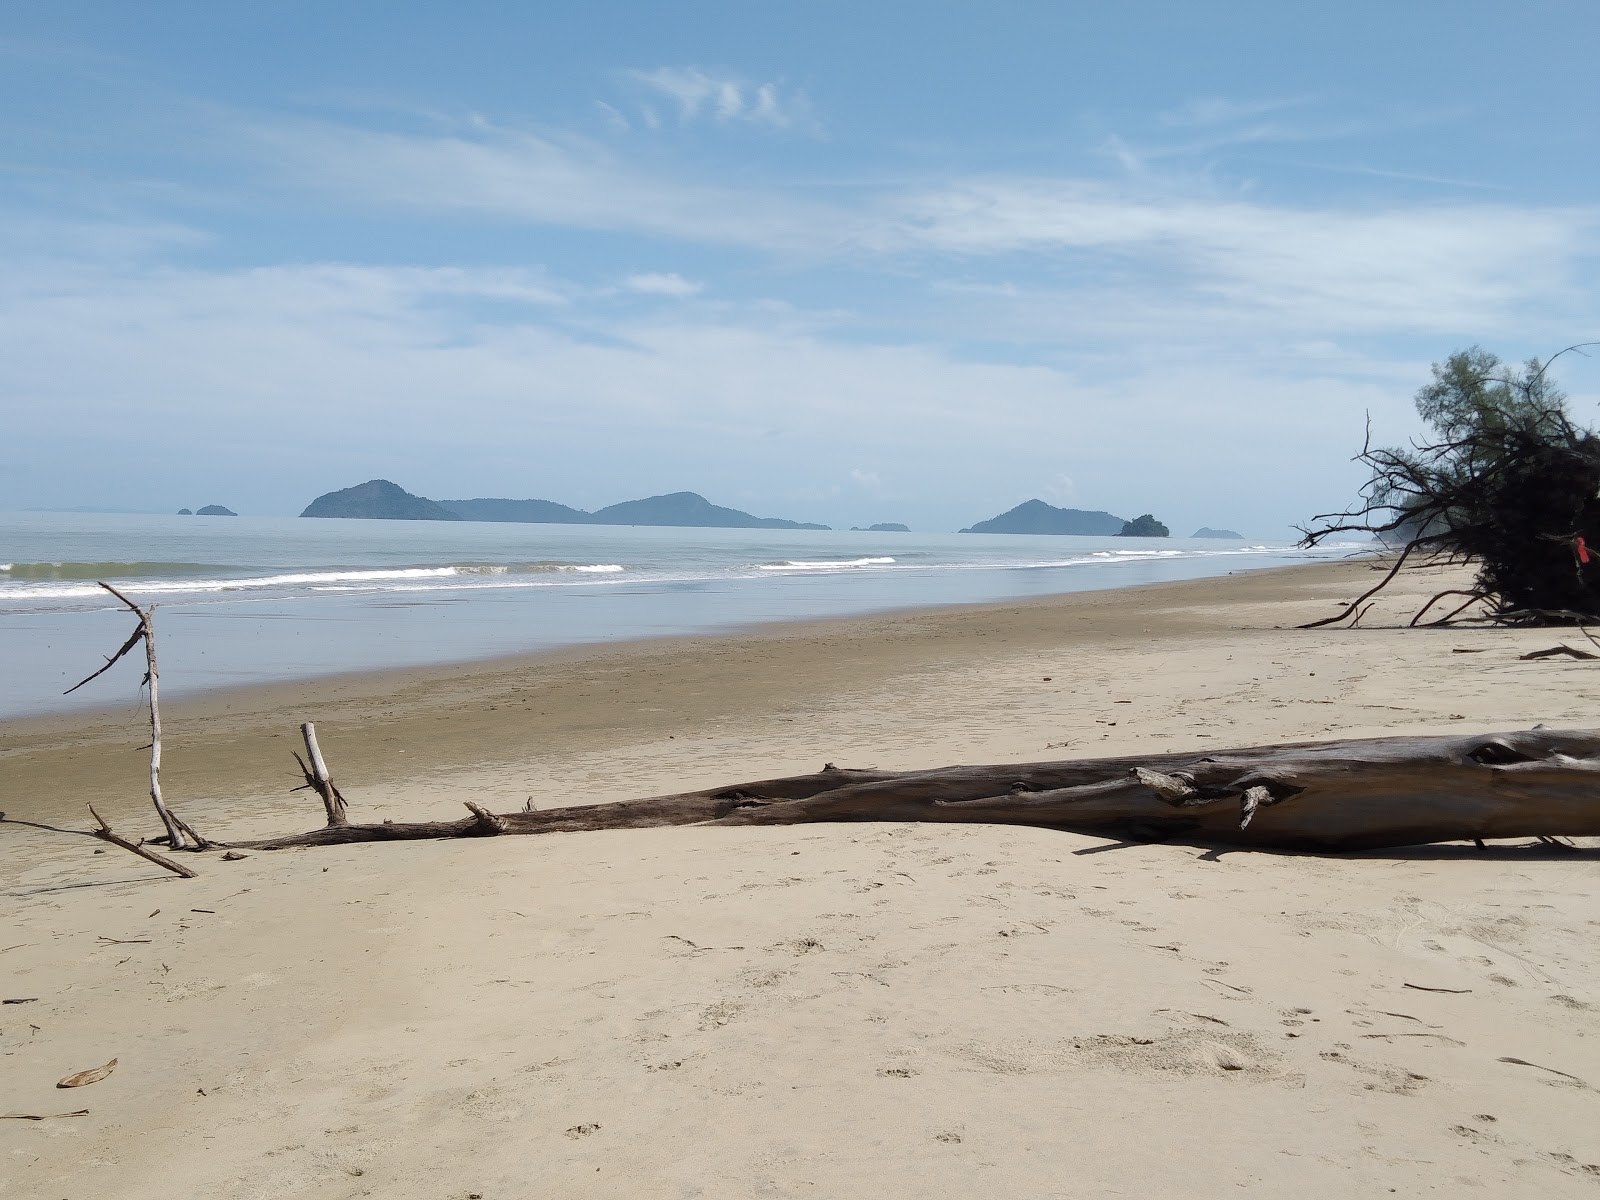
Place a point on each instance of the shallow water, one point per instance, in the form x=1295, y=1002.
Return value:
x=256, y=599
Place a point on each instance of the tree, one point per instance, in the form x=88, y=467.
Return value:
x=1510, y=483
x=1144, y=526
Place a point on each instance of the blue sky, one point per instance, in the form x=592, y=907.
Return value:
x=836, y=262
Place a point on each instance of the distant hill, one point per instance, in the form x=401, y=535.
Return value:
x=378, y=500
x=1144, y=525
x=688, y=510
x=882, y=527
x=215, y=510
x=1035, y=516
x=543, y=512
x=1205, y=531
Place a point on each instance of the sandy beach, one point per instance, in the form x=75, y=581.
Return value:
x=876, y=1009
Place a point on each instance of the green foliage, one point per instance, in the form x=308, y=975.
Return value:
x=1510, y=484
x=1144, y=526
x=1474, y=392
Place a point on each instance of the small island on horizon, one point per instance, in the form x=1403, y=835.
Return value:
x=381, y=500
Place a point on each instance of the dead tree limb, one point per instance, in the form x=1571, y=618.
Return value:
x=105, y=834
x=318, y=778
x=1372, y=591
x=1314, y=796
x=145, y=633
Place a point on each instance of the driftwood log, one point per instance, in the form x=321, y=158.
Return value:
x=1314, y=796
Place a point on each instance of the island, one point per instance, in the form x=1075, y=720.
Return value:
x=1144, y=525
x=1205, y=531
x=687, y=510
x=545, y=512
x=882, y=527
x=215, y=510
x=186, y=512
x=1035, y=516
x=378, y=500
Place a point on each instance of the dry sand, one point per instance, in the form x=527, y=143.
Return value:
x=813, y=1011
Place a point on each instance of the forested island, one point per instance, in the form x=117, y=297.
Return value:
x=381, y=500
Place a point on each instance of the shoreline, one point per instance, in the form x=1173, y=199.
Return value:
x=196, y=723
x=535, y=716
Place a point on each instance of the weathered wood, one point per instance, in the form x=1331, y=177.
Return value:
x=105, y=833
x=1561, y=648
x=1318, y=796
x=145, y=633
x=319, y=779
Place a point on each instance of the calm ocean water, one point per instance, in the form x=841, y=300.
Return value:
x=252, y=599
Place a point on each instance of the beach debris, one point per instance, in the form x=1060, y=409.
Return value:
x=106, y=833
x=21, y=1000
x=1356, y=794
x=1558, y=649
x=318, y=778
x=1418, y=987
x=110, y=941
x=234, y=856
x=145, y=632
x=82, y=1112
x=85, y=1078
x=1505, y=482
x=1522, y=1062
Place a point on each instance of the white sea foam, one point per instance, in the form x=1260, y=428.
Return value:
x=825, y=565
x=339, y=580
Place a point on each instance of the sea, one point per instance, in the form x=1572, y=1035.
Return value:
x=244, y=600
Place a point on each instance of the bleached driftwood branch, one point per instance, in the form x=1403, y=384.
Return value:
x=1318, y=796
x=145, y=633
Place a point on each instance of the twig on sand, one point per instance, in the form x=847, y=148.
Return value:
x=82, y=1112
x=1560, y=648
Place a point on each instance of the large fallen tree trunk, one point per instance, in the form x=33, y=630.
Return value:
x=1345, y=795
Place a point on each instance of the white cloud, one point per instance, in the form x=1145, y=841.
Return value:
x=1404, y=268
x=491, y=171
x=727, y=98
x=1122, y=249
x=613, y=116
x=670, y=284
x=399, y=380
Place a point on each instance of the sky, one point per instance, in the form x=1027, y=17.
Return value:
x=834, y=262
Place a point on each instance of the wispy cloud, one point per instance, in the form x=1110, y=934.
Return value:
x=1403, y=268
x=1133, y=247
x=670, y=284
x=726, y=98
x=510, y=174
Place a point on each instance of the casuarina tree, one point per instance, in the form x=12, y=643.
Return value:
x=1510, y=483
